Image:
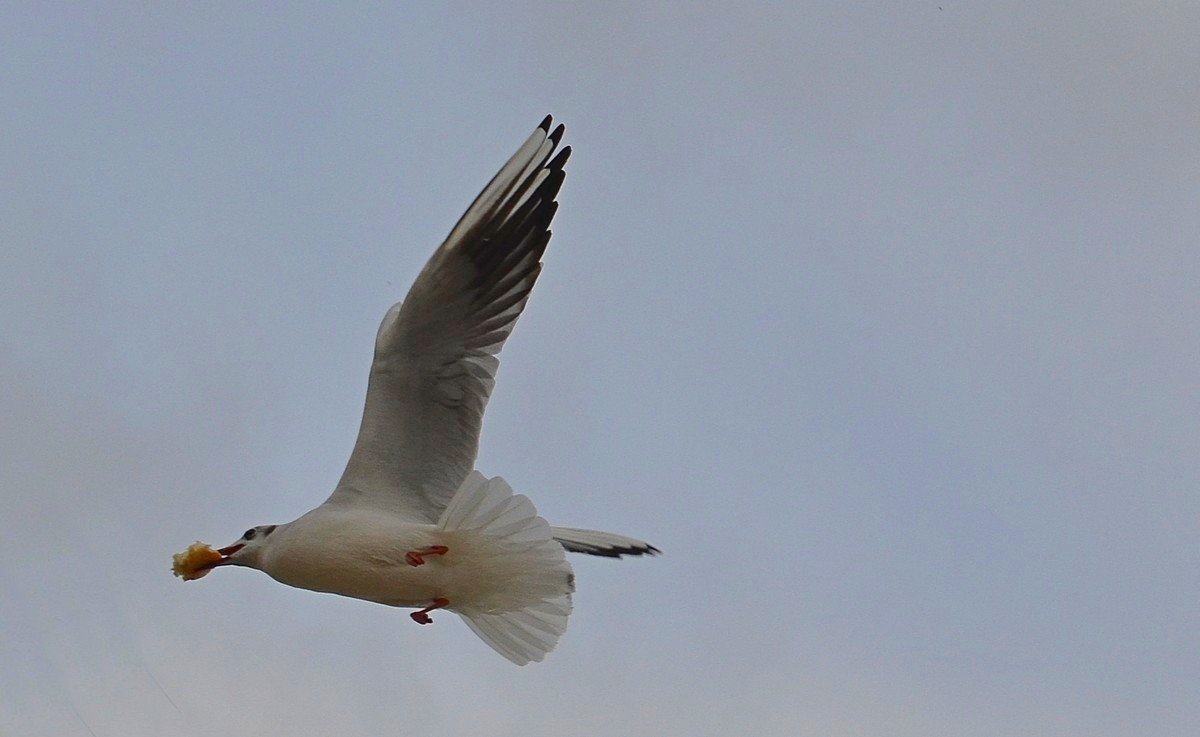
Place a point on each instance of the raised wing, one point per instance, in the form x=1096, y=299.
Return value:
x=435, y=354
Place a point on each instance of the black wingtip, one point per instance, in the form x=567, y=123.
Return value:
x=620, y=552
x=557, y=135
x=617, y=553
x=545, y=124
x=559, y=159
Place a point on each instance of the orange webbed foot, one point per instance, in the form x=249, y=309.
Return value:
x=417, y=557
x=422, y=616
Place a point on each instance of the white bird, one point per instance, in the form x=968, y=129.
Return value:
x=411, y=523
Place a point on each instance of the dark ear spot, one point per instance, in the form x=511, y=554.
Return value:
x=269, y=529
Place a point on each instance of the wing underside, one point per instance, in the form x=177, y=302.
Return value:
x=435, y=354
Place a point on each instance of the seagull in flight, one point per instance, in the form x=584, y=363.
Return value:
x=412, y=523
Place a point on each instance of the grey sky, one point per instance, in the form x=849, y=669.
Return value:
x=880, y=319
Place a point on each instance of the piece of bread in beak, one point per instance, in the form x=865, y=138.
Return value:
x=195, y=562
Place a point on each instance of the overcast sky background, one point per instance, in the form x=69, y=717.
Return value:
x=879, y=319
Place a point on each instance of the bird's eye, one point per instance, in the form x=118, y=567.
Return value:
x=249, y=534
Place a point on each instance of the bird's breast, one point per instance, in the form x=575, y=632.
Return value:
x=357, y=556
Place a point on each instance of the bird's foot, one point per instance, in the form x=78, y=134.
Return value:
x=422, y=616
x=417, y=557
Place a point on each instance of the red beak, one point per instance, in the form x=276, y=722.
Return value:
x=225, y=553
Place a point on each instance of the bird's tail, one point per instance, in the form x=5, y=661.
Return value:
x=534, y=565
x=594, y=542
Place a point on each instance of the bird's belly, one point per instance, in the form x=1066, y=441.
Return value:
x=370, y=567
x=396, y=585
x=475, y=572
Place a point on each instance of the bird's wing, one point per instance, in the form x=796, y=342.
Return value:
x=435, y=354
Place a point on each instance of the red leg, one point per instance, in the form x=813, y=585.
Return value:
x=417, y=557
x=422, y=617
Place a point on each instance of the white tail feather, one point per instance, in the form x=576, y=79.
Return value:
x=525, y=620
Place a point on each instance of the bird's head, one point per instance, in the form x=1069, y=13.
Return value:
x=248, y=549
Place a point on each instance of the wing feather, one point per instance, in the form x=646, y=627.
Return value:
x=435, y=354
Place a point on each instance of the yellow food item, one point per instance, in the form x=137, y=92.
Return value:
x=195, y=562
